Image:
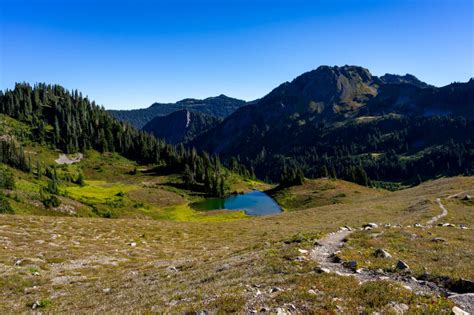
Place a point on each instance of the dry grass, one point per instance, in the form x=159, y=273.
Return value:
x=89, y=266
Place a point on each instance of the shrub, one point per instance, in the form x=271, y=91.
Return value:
x=6, y=179
x=5, y=204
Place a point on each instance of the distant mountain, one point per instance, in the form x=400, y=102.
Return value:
x=180, y=126
x=340, y=118
x=401, y=79
x=220, y=106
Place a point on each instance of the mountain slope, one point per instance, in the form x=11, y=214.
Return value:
x=180, y=126
x=407, y=78
x=220, y=106
x=338, y=118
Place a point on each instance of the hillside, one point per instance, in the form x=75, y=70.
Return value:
x=180, y=126
x=219, y=106
x=59, y=264
x=347, y=123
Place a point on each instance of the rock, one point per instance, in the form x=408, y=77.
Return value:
x=464, y=302
x=275, y=289
x=418, y=225
x=36, y=273
x=398, y=308
x=322, y=270
x=264, y=309
x=352, y=264
x=448, y=225
x=335, y=258
x=290, y=307
x=133, y=244
x=387, y=225
x=302, y=251
x=466, y=197
x=382, y=253
x=282, y=311
x=314, y=292
x=173, y=269
x=457, y=311
x=300, y=258
x=371, y=225
x=402, y=265
x=106, y=290
x=438, y=239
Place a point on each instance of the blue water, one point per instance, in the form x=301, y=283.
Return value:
x=253, y=203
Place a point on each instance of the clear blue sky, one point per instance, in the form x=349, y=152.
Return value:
x=129, y=54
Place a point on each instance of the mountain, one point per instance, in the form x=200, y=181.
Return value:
x=180, y=126
x=219, y=106
x=407, y=78
x=344, y=120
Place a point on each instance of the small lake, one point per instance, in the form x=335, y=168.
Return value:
x=253, y=203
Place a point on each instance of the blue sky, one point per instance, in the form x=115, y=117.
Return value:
x=129, y=54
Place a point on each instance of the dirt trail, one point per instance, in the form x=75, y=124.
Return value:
x=439, y=216
x=327, y=248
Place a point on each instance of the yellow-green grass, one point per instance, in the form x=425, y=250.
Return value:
x=99, y=191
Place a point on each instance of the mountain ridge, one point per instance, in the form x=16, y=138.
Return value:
x=218, y=106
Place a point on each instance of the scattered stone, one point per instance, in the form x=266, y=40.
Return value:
x=382, y=253
x=402, y=265
x=36, y=273
x=407, y=287
x=448, y=225
x=275, y=289
x=464, y=302
x=387, y=225
x=290, y=307
x=302, y=251
x=314, y=292
x=457, y=311
x=264, y=309
x=173, y=269
x=300, y=258
x=371, y=225
x=133, y=244
x=463, y=226
x=335, y=258
x=322, y=270
x=418, y=225
x=106, y=290
x=467, y=197
x=352, y=264
x=398, y=308
x=282, y=311
x=438, y=239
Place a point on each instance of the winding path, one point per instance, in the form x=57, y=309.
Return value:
x=439, y=216
x=327, y=248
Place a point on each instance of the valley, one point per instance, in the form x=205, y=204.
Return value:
x=308, y=202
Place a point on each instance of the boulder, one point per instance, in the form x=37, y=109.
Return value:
x=397, y=308
x=382, y=253
x=457, y=311
x=402, y=265
x=370, y=225
x=351, y=264
x=322, y=270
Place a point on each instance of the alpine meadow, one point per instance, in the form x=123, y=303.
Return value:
x=307, y=188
